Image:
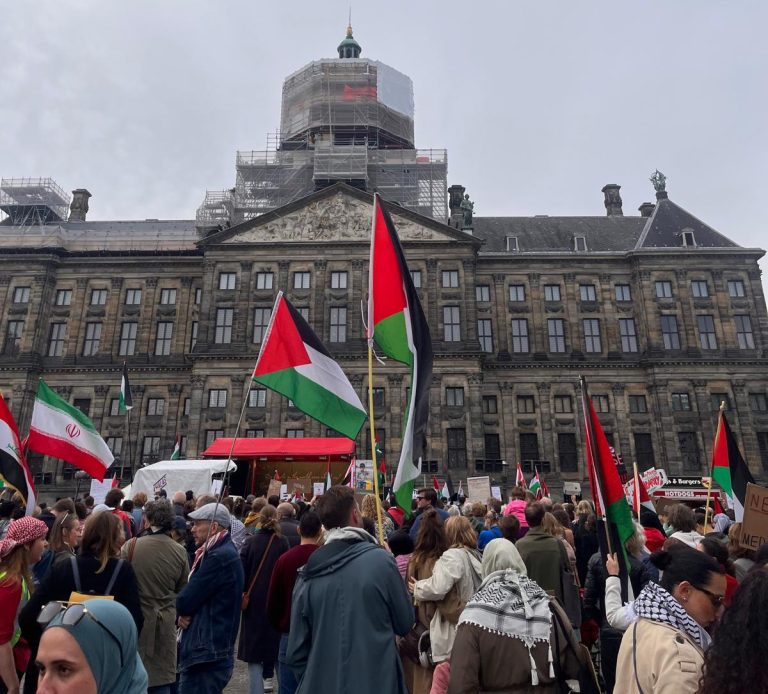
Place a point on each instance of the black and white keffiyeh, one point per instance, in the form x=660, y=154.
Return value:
x=658, y=605
x=510, y=604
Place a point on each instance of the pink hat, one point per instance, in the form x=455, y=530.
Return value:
x=22, y=531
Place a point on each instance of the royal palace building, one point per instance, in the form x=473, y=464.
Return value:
x=663, y=315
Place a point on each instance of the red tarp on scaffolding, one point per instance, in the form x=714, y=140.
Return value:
x=281, y=448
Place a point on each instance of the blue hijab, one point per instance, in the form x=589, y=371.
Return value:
x=102, y=652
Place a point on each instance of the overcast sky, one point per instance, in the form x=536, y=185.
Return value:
x=538, y=103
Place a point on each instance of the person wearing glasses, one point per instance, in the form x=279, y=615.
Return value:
x=425, y=499
x=664, y=649
x=89, y=648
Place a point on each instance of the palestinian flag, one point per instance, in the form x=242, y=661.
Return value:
x=520, y=478
x=729, y=469
x=436, y=484
x=176, y=455
x=397, y=324
x=294, y=362
x=126, y=401
x=14, y=472
x=445, y=492
x=62, y=431
x=535, y=486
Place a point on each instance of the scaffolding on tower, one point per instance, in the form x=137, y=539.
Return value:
x=28, y=202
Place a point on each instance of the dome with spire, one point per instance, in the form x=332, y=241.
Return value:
x=349, y=48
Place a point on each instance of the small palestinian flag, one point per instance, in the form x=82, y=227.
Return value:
x=176, y=455
x=294, y=362
x=535, y=486
x=729, y=469
x=126, y=401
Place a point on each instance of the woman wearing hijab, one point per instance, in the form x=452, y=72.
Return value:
x=511, y=636
x=89, y=648
x=664, y=649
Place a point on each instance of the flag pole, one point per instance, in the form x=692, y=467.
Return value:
x=637, y=489
x=373, y=444
x=128, y=445
x=712, y=464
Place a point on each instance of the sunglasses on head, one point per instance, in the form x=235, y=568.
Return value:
x=73, y=615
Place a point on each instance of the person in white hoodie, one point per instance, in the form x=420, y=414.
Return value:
x=682, y=522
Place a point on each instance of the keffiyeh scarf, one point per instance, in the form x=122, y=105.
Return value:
x=510, y=604
x=658, y=605
x=208, y=545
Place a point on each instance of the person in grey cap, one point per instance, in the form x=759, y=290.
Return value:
x=208, y=607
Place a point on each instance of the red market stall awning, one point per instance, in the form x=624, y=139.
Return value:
x=279, y=448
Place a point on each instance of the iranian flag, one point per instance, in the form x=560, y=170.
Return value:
x=397, y=324
x=294, y=362
x=14, y=472
x=62, y=431
x=729, y=469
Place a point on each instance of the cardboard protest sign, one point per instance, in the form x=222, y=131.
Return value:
x=478, y=489
x=496, y=493
x=318, y=488
x=754, y=527
x=274, y=488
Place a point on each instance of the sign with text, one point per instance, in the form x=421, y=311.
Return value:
x=274, y=488
x=99, y=489
x=496, y=493
x=754, y=527
x=478, y=489
x=318, y=488
x=653, y=478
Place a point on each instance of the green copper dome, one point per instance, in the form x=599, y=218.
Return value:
x=349, y=48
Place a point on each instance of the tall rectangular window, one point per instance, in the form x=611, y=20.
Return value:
x=92, y=339
x=450, y=279
x=715, y=399
x=167, y=297
x=227, y=280
x=303, y=312
x=338, y=324
x=211, y=435
x=669, y=332
x=114, y=407
x=517, y=292
x=257, y=397
x=155, y=406
x=526, y=404
x=681, y=402
x=128, y=339
x=115, y=444
x=601, y=402
x=744, y=332
x=707, y=337
x=13, y=336
x=551, y=292
x=520, y=336
x=193, y=335
x=187, y=407
x=84, y=405
x=482, y=292
x=254, y=433
x=294, y=433
x=338, y=280
x=529, y=447
x=563, y=404
x=98, y=297
x=457, y=447
x=150, y=447
x=260, y=323
x=163, y=338
x=378, y=398
x=198, y=296
x=638, y=404
x=416, y=278
x=264, y=280
x=63, y=297
x=762, y=447
x=217, y=397
x=224, y=318
x=454, y=397
x=567, y=452
x=490, y=404
x=56, y=341
x=689, y=451
x=587, y=292
x=132, y=297
x=663, y=289
x=556, y=333
x=485, y=334
x=644, y=451
x=758, y=402
x=451, y=324
x=592, y=342
x=21, y=295
x=492, y=447
x=736, y=289
x=623, y=292
x=579, y=244
x=699, y=289
x=628, y=334
x=301, y=280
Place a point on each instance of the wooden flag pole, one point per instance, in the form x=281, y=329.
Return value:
x=637, y=490
x=373, y=445
x=712, y=464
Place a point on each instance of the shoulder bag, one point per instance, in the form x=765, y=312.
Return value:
x=247, y=595
x=77, y=595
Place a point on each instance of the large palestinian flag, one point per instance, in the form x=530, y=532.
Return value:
x=294, y=362
x=397, y=324
x=729, y=469
x=62, y=431
x=14, y=472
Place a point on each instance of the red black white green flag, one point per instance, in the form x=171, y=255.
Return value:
x=520, y=478
x=14, y=472
x=294, y=362
x=397, y=324
x=729, y=469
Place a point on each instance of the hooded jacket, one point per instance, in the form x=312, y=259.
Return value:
x=348, y=604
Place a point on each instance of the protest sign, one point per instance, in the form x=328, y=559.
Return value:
x=99, y=489
x=496, y=493
x=318, y=488
x=754, y=527
x=274, y=488
x=478, y=489
x=300, y=486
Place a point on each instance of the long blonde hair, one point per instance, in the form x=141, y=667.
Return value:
x=459, y=532
x=14, y=568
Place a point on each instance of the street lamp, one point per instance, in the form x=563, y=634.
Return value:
x=79, y=475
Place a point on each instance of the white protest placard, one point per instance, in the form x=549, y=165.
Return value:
x=496, y=493
x=318, y=488
x=283, y=491
x=99, y=489
x=216, y=487
x=478, y=489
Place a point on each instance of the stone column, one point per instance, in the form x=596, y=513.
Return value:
x=196, y=436
x=470, y=303
x=474, y=418
x=357, y=294
x=207, y=317
x=547, y=447
x=537, y=330
x=500, y=312
x=39, y=313
x=432, y=292
x=112, y=319
x=320, y=309
x=172, y=419
x=243, y=309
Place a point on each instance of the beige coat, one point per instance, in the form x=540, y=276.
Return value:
x=668, y=661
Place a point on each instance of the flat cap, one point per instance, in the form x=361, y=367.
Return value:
x=212, y=512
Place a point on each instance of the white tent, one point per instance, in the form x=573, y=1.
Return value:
x=177, y=475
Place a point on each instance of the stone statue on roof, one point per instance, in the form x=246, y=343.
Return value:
x=659, y=181
x=467, y=207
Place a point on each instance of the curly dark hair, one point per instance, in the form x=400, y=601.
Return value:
x=744, y=622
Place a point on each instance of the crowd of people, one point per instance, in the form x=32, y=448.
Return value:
x=163, y=595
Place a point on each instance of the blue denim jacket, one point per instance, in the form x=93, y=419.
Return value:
x=212, y=598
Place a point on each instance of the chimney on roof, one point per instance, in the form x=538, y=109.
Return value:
x=646, y=209
x=79, y=207
x=612, y=200
x=455, y=196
